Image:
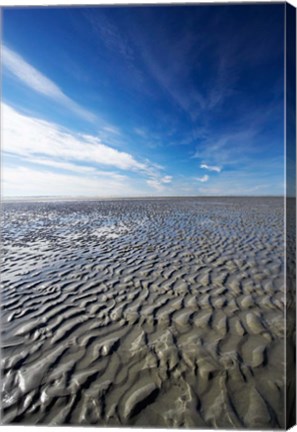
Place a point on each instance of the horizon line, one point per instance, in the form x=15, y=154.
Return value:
x=116, y=197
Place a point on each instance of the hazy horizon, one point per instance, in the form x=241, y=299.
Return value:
x=117, y=197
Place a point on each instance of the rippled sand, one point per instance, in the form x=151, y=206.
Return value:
x=165, y=312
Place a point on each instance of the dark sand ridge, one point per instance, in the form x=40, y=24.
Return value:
x=146, y=312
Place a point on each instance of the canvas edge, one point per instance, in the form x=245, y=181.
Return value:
x=290, y=214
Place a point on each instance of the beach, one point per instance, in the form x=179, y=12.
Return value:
x=144, y=312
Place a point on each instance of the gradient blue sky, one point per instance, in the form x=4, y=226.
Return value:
x=142, y=101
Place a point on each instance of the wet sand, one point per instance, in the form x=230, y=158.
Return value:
x=155, y=312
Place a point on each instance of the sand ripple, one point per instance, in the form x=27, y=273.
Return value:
x=144, y=312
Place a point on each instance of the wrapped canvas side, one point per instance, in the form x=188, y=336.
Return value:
x=290, y=222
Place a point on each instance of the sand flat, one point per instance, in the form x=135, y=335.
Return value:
x=154, y=312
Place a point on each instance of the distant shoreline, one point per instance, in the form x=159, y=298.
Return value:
x=117, y=198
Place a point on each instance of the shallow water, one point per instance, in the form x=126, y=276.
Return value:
x=165, y=312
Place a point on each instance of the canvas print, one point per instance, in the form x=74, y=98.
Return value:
x=148, y=216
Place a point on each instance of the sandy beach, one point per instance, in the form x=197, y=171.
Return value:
x=148, y=312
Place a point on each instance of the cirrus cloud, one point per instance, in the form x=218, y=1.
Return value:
x=159, y=183
x=37, y=150
x=31, y=137
x=203, y=179
x=38, y=82
x=211, y=167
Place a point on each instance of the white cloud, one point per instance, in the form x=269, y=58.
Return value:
x=155, y=184
x=31, y=137
x=24, y=181
x=62, y=165
x=31, y=77
x=159, y=183
x=80, y=169
x=166, y=179
x=42, y=158
x=211, y=167
x=203, y=179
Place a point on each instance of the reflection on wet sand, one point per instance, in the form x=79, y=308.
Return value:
x=165, y=312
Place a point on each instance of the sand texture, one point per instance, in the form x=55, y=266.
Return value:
x=161, y=312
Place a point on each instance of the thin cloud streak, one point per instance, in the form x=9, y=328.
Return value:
x=166, y=179
x=211, y=167
x=203, y=179
x=66, y=166
x=38, y=82
x=159, y=183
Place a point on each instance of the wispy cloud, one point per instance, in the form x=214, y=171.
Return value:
x=228, y=148
x=113, y=36
x=65, y=166
x=167, y=93
x=244, y=182
x=41, y=152
x=38, y=82
x=22, y=181
x=141, y=132
x=28, y=136
x=80, y=169
x=110, y=34
x=155, y=184
x=203, y=179
x=170, y=59
x=112, y=129
x=166, y=179
x=159, y=183
x=211, y=167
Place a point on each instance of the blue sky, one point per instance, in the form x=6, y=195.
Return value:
x=143, y=101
